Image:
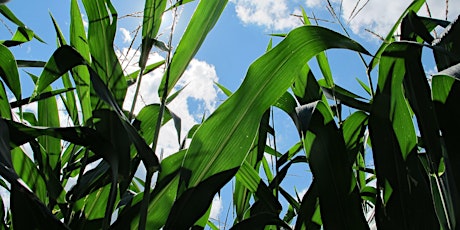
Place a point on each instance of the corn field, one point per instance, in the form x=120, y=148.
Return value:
x=84, y=176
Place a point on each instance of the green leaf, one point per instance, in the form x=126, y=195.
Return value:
x=22, y=35
x=5, y=109
x=364, y=86
x=132, y=77
x=62, y=60
x=418, y=93
x=161, y=199
x=329, y=162
x=28, y=172
x=393, y=139
x=24, y=204
x=306, y=88
x=153, y=14
x=446, y=90
x=261, y=220
x=447, y=47
x=203, y=20
x=9, y=71
x=48, y=116
x=5, y=11
x=146, y=120
x=414, y=6
x=223, y=141
x=353, y=132
x=45, y=95
x=102, y=27
x=391, y=74
x=80, y=73
x=260, y=93
x=179, y=3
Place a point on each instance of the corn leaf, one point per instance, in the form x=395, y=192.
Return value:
x=203, y=20
x=223, y=141
x=79, y=73
x=414, y=6
x=338, y=195
x=102, y=27
x=9, y=71
x=153, y=13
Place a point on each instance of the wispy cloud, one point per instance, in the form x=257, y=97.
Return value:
x=126, y=35
x=379, y=16
x=216, y=208
x=270, y=14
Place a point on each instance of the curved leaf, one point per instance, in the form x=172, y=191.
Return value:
x=222, y=142
x=203, y=20
x=153, y=13
x=9, y=71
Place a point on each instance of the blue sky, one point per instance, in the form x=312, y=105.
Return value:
x=237, y=40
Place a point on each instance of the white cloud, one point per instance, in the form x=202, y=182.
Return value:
x=271, y=14
x=199, y=78
x=216, y=208
x=126, y=35
x=85, y=20
x=379, y=16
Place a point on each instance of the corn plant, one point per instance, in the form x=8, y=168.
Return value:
x=84, y=176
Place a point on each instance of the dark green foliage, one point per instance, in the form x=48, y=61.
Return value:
x=82, y=176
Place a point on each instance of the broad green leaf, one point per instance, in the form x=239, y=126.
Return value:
x=102, y=27
x=153, y=13
x=203, y=20
x=222, y=142
x=200, y=197
x=413, y=29
x=9, y=71
x=249, y=177
x=27, y=171
x=260, y=93
x=62, y=60
x=29, y=213
x=48, y=116
x=446, y=88
x=353, y=131
x=447, y=48
x=145, y=152
x=69, y=100
x=414, y=6
x=418, y=93
x=80, y=74
x=321, y=58
x=146, y=120
x=305, y=87
x=5, y=108
x=24, y=204
x=393, y=139
x=391, y=75
x=161, y=199
x=329, y=163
